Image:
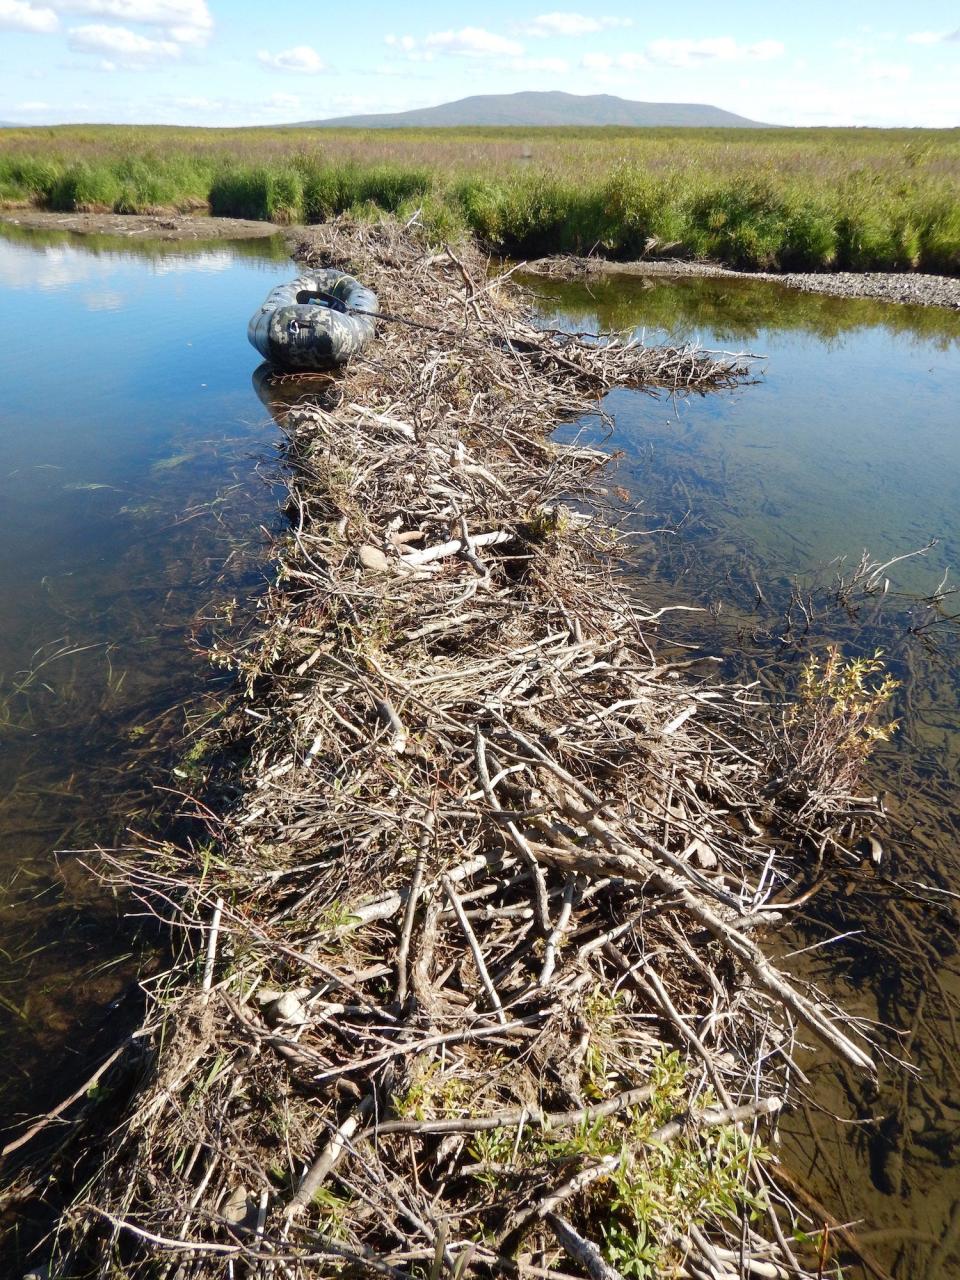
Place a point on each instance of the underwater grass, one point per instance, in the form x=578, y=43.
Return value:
x=811, y=199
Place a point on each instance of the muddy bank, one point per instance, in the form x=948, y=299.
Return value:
x=164, y=226
x=883, y=286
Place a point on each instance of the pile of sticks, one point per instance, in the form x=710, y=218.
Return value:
x=472, y=980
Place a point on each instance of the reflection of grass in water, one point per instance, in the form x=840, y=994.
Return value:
x=735, y=310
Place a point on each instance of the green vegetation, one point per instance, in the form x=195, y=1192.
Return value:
x=826, y=734
x=656, y=1189
x=804, y=199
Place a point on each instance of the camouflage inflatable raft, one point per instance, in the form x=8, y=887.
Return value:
x=315, y=322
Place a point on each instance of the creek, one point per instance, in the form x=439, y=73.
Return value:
x=129, y=502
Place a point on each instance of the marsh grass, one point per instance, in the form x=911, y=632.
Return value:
x=814, y=199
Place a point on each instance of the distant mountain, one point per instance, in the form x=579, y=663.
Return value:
x=533, y=109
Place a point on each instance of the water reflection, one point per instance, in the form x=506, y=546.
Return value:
x=129, y=499
x=733, y=311
x=772, y=493
x=279, y=392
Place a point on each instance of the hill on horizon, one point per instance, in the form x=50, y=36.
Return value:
x=532, y=109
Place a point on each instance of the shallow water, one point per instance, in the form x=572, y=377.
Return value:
x=849, y=440
x=130, y=436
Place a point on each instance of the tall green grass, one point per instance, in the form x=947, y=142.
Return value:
x=782, y=199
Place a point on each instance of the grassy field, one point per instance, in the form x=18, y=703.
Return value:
x=855, y=199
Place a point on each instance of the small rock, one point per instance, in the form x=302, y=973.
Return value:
x=284, y=1006
x=289, y=1009
x=374, y=560
x=236, y=1208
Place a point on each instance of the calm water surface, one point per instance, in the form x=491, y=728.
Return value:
x=129, y=500
x=850, y=440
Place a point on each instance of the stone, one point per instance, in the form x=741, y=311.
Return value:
x=236, y=1208
x=284, y=1006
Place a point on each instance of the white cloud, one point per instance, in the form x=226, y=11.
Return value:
x=474, y=42
x=186, y=21
x=20, y=15
x=898, y=74
x=301, y=60
x=189, y=35
x=119, y=42
x=619, y=62
x=683, y=53
x=468, y=42
x=409, y=49
x=693, y=53
x=560, y=66
x=764, y=50
x=570, y=24
x=933, y=37
x=196, y=103
x=856, y=50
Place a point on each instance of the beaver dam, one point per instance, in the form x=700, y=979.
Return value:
x=472, y=973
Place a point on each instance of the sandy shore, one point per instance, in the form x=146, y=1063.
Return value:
x=141, y=226
x=884, y=286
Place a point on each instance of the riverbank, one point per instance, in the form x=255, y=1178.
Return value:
x=766, y=199
x=912, y=288
x=141, y=226
x=470, y=978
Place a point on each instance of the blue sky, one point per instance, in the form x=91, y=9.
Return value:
x=247, y=62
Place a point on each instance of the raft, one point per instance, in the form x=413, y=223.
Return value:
x=315, y=322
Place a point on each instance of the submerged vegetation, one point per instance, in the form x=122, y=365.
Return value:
x=791, y=199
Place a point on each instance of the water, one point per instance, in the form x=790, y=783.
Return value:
x=848, y=441
x=130, y=436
